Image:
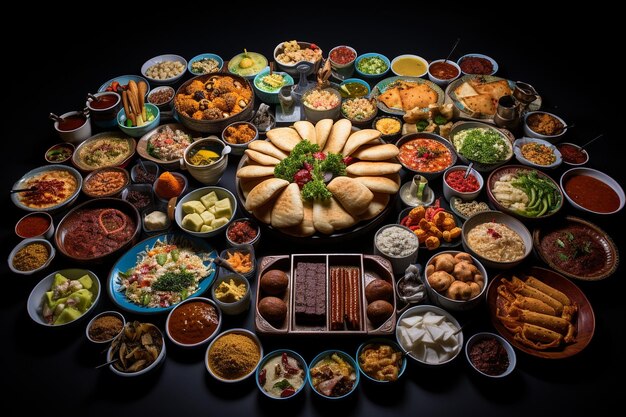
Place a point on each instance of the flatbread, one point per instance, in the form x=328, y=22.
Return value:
x=267, y=148
x=305, y=228
x=495, y=89
x=366, y=168
x=421, y=95
x=391, y=98
x=378, y=204
x=482, y=103
x=377, y=152
x=379, y=184
x=353, y=196
x=359, y=138
x=329, y=216
x=338, y=136
x=255, y=171
x=322, y=131
x=264, y=213
x=263, y=192
x=261, y=158
x=247, y=184
x=306, y=130
x=285, y=138
x=288, y=209
x=465, y=90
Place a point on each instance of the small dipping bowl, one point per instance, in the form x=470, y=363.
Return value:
x=244, y=249
x=235, y=307
x=59, y=153
x=181, y=180
x=25, y=242
x=104, y=314
x=74, y=133
x=381, y=341
x=38, y=219
x=162, y=97
x=566, y=153
x=104, y=110
x=137, y=170
x=506, y=345
x=177, y=311
x=271, y=356
x=349, y=359
x=231, y=237
x=399, y=263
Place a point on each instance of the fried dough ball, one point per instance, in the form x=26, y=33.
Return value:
x=432, y=243
x=465, y=271
x=440, y=281
x=444, y=262
x=459, y=290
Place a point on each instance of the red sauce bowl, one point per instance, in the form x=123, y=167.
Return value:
x=38, y=224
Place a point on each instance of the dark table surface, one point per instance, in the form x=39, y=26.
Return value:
x=55, y=366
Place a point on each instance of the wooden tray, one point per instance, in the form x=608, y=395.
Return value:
x=370, y=267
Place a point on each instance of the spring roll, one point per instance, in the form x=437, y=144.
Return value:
x=556, y=324
x=538, y=337
x=548, y=290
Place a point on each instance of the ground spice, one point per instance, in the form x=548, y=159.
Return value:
x=489, y=356
x=168, y=186
x=30, y=257
x=233, y=356
x=33, y=225
x=105, y=328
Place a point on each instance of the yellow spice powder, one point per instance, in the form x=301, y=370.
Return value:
x=233, y=356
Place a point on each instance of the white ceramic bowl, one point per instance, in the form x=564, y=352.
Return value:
x=528, y=132
x=442, y=82
x=244, y=332
x=51, y=253
x=195, y=195
x=236, y=307
x=448, y=303
x=507, y=347
x=272, y=355
x=74, y=136
x=416, y=57
x=493, y=62
x=162, y=58
x=517, y=150
x=165, y=105
x=601, y=176
x=254, y=242
x=239, y=148
x=572, y=164
x=97, y=316
x=449, y=192
x=147, y=369
x=35, y=299
x=509, y=221
x=420, y=310
x=399, y=263
x=202, y=342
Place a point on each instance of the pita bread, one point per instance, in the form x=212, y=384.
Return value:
x=285, y=138
x=288, y=209
x=338, y=136
x=306, y=130
x=322, y=130
x=263, y=192
x=495, y=89
x=353, y=196
x=482, y=103
x=373, y=168
x=261, y=158
x=267, y=148
x=376, y=207
x=264, y=213
x=359, y=138
x=247, y=184
x=255, y=171
x=305, y=228
x=329, y=216
x=379, y=184
x=465, y=90
x=421, y=95
x=391, y=98
x=377, y=152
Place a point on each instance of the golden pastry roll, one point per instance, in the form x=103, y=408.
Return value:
x=569, y=312
x=532, y=304
x=546, y=289
x=553, y=323
x=538, y=337
x=531, y=292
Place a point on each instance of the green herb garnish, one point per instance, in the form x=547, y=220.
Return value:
x=282, y=384
x=171, y=281
x=440, y=120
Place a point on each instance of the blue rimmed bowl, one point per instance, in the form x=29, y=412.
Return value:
x=265, y=95
x=344, y=356
x=139, y=131
x=200, y=57
x=123, y=80
x=370, y=55
x=357, y=81
x=381, y=341
x=272, y=355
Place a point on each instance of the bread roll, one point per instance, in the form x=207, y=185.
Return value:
x=305, y=228
x=288, y=209
x=329, y=216
x=284, y=138
x=261, y=158
x=255, y=171
x=322, y=131
x=306, y=130
x=373, y=168
x=267, y=148
x=263, y=192
x=357, y=139
x=351, y=194
x=376, y=152
x=378, y=204
x=338, y=136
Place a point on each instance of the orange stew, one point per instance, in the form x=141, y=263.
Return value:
x=193, y=322
x=443, y=70
x=425, y=155
x=592, y=194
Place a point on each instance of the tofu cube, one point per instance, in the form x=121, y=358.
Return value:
x=219, y=222
x=209, y=199
x=223, y=208
x=207, y=217
x=192, y=222
x=205, y=228
x=193, y=206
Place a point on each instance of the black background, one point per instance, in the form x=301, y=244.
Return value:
x=73, y=56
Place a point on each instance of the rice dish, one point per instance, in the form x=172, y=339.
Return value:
x=496, y=242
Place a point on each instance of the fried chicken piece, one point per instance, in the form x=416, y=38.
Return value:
x=187, y=105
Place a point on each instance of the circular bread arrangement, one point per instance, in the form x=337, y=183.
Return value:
x=320, y=178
